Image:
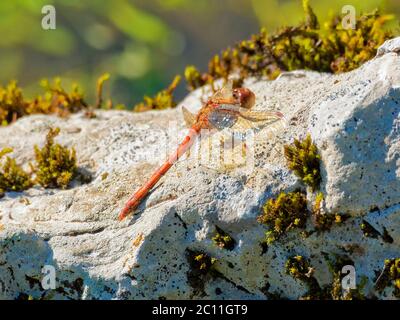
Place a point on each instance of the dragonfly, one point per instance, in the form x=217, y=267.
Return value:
x=227, y=108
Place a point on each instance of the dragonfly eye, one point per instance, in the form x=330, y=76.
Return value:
x=245, y=97
x=235, y=94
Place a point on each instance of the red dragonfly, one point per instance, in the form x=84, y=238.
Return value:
x=227, y=108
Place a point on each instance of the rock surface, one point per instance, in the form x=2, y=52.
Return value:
x=354, y=120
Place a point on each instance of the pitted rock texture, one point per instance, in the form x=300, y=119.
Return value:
x=354, y=120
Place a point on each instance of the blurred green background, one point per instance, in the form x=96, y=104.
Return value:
x=141, y=43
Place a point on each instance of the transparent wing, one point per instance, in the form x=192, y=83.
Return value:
x=225, y=92
x=221, y=120
x=247, y=119
x=190, y=118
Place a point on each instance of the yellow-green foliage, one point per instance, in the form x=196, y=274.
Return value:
x=12, y=176
x=300, y=268
x=302, y=157
x=202, y=262
x=12, y=104
x=223, y=239
x=390, y=276
x=55, y=164
x=306, y=46
x=286, y=212
x=368, y=230
x=57, y=100
x=99, y=89
x=162, y=100
x=54, y=100
x=335, y=290
x=324, y=221
x=194, y=78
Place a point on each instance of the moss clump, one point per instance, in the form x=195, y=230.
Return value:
x=12, y=176
x=57, y=100
x=302, y=157
x=12, y=104
x=324, y=221
x=390, y=276
x=286, y=212
x=300, y=268
x=369, y=231
x=201, y=269
x=54, y=100
x=99, y=90
x=55, y=164
x=162, y=100
x=305, y=46
x=335, y=290
x=194, y=78
x=223, y=239
x=203, y=262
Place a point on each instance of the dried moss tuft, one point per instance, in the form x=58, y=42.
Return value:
x=162, y=100
x=12, y=176
x=286, y=212
x=55, y=164
x=12, y=104
x=305, y=46
x=300, y=268
x=302, y=157
x=223, y=239
x=390, y=276
x=324, y=221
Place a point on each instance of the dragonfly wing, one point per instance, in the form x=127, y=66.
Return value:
x=224, y=92
x=222, y=120
x=261, y=116
x=243, y=125
x=267, y=122
x=190, y=118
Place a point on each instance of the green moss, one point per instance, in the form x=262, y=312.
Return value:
x=162, y=100
x=334, y=291
x=193, y=77
x=302, y=157
x=12, y=104
x=57, y=100
x=324, y=221
x=12, y=176
x=55, y=164
x=368, y=230
x=300, y=268
x=201, y=269
x=54, y=100
x=390, y=276
x=203, y=262
x=286, y=212
x=99, y=90
x=223, y=239
x=305, y=46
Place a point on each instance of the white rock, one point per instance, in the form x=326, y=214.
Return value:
x=392, y=45
x=354, y=119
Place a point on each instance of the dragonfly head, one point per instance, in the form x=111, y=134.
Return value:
x=245, y=97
